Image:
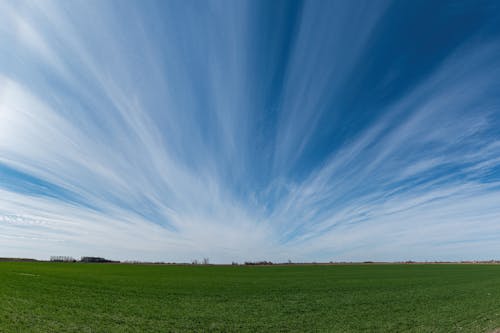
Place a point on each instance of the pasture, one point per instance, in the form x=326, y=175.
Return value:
x=64, y=297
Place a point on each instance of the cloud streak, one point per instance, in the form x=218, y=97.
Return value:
x=250, y=131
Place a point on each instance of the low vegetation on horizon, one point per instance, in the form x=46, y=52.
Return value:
x=52, y=297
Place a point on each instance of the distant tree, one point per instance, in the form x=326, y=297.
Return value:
x=206, y=261
x=96, y=260
x=62, y=259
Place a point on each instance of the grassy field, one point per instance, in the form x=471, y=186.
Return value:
x=52, y=297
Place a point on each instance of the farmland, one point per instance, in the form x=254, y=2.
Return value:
x=65, y=297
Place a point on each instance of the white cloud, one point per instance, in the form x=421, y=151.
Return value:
x=150, y=157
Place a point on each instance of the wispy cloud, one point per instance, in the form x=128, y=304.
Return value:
x=173, y=131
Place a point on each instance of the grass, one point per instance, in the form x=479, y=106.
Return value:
x=53, y=297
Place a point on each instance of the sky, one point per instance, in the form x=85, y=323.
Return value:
x=250, y=130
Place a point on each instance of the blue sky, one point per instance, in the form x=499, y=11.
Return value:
x=250, y=130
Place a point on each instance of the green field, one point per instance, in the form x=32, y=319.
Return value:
x=52, y=297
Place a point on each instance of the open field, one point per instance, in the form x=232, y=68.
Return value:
x=52, y=297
